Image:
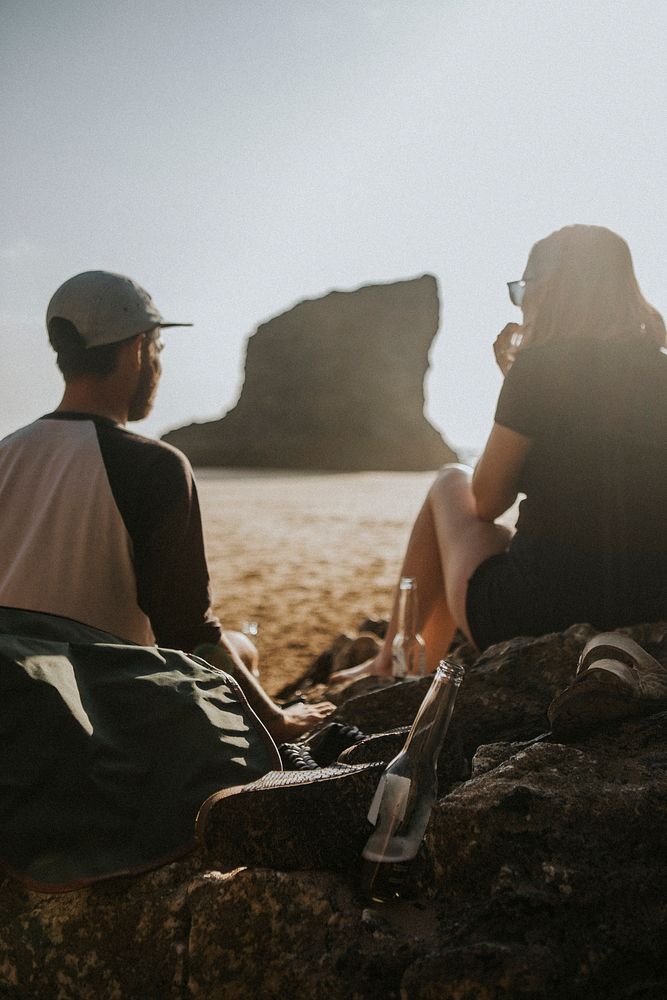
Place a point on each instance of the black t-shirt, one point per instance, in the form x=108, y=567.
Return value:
x=596, y=476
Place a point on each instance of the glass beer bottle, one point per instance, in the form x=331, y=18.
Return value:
x=405, y=795
x=408, y=652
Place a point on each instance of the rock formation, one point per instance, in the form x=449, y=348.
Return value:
x=543, y=874
x=334, y=383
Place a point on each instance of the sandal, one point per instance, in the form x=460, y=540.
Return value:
x=616, y=679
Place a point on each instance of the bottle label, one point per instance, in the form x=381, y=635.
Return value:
x=399, y=824
x=394, y=788
x=399, y=667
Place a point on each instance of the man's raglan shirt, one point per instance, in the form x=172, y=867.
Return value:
x=102, y=525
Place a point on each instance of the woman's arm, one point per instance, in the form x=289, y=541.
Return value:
x=495, y=481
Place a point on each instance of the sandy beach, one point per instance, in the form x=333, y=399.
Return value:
x=306, y=555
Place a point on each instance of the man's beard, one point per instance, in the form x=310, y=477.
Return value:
x=143, y=397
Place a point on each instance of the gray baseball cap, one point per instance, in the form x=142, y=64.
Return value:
x=105, y=307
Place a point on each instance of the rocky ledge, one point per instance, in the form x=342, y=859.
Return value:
x=543, y=874
x=334, y=383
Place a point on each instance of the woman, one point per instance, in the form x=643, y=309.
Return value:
x=580, y=429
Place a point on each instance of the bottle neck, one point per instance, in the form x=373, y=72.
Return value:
x=428, y=731
x=408, y=611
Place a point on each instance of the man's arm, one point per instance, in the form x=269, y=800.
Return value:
x=282, y=723
x=157, y=496
x=154, y=491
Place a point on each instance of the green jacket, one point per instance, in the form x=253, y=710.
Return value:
x=109, y=750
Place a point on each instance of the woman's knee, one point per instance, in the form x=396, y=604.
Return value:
x=453, y=469
x=452, y=482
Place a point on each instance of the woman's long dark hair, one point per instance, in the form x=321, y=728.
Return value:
x=585, y=286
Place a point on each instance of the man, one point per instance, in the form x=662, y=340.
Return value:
x=101, y=525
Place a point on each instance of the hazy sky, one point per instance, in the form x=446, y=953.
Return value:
x=235, y=156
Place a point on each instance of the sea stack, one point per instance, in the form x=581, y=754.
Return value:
x=335, y=383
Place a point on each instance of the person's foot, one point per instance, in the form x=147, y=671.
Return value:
x=300, y=718
x=369, y=668
x=355, y=651
x=616, y=679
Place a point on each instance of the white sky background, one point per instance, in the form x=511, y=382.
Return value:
x=236, y=156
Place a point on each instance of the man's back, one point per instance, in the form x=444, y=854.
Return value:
x=102, y=526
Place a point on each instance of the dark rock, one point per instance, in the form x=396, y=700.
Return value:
x=551, y=868
x=334, y=383
x=544, y=874
x=363, y=647
x=377, y=626
x=319, y=670
x=345, y=651
x=272, y=934
x=122, y=938
x=504, y=696
x=348, y=651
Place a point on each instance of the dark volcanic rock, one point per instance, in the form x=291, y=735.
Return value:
x=504, y=696
x=275, y=935
x=543, y=875
x=552, y=874
x=123, y=938
x=334, y=383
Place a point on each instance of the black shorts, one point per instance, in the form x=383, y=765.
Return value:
x=504, y=600
x=500, y=603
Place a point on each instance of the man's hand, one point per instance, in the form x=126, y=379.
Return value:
x=505, y=345
x=282, y=723
x=300, y=718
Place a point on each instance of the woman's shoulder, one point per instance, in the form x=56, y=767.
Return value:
x=577, y=354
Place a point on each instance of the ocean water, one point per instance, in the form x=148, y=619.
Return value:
x=360, y=497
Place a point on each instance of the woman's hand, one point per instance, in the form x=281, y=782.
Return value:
x=505, y=344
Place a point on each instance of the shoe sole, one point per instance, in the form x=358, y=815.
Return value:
x=599, y=697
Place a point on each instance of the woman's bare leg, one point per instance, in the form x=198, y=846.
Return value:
x=447, y=543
